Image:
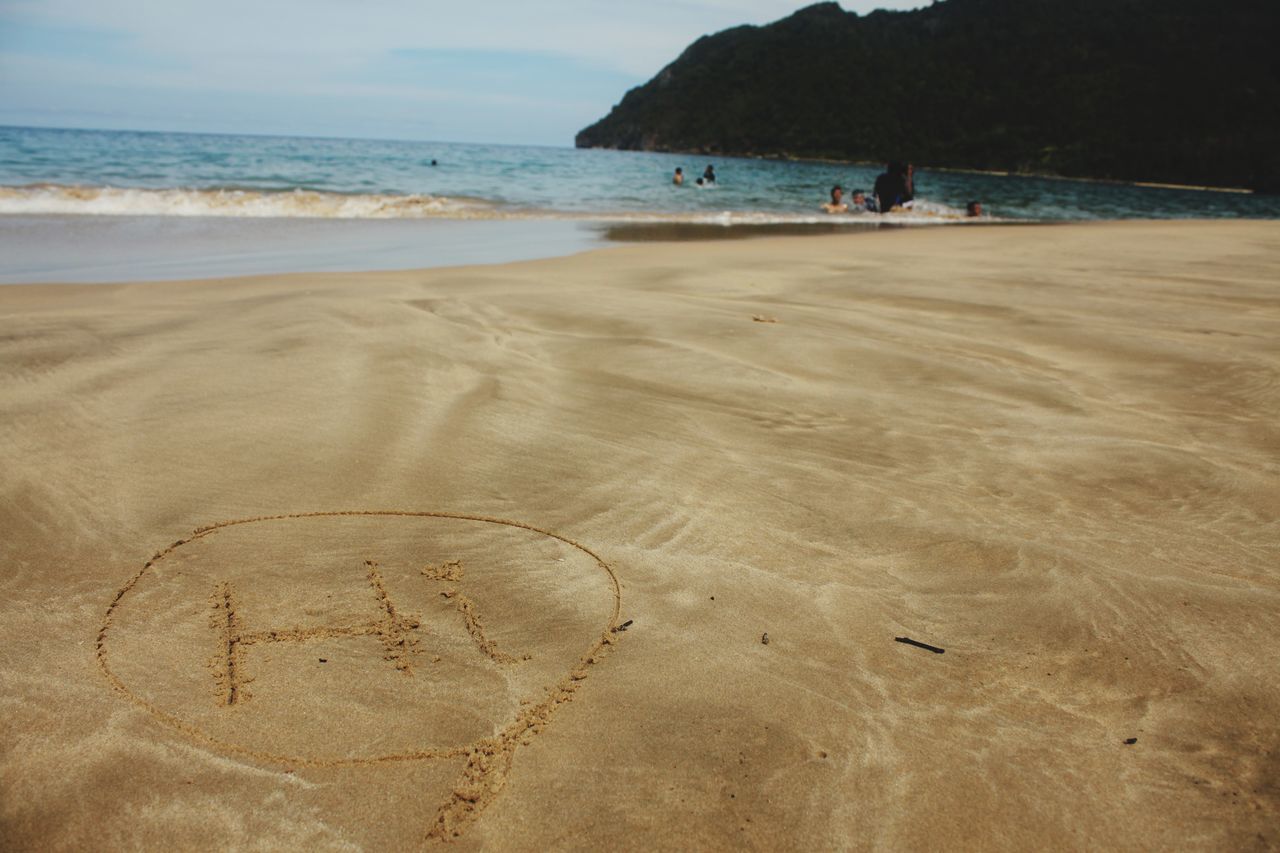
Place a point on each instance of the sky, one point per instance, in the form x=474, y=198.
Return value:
x=498, y=71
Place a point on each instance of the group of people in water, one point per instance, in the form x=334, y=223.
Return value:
x=708, y=176
x=895, y=190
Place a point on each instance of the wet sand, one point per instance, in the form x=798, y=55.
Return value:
x=95, y=249
x=342, y=561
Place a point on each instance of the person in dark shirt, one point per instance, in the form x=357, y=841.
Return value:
x=710, y=174
x=892, y=187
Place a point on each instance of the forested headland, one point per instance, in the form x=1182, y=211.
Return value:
x=1179, y=91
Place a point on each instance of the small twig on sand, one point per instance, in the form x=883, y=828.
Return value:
x=920, y=645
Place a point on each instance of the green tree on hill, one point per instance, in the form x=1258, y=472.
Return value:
x=1153, y=90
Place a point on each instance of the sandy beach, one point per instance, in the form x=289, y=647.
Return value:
x=343, y=561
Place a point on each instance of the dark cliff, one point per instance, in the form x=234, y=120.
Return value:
x=1182, y=91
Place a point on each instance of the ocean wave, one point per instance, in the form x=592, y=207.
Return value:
x=922, y=213
x=61, y=199
x=230, y=202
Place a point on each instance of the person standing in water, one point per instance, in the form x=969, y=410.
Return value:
x=678, y=177
x=891, y=190
x=709, y=176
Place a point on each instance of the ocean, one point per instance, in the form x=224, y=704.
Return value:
x=110, y=187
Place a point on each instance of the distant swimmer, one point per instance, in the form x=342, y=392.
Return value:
x=891, y=190
x=678, y=177
x=836, y=205
x=701, y=183
x=434, y=163
x=859, y=203
x=710, y=174
x=973, y=208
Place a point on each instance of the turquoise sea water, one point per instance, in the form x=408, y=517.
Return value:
x=84, y=205
x=83, y=172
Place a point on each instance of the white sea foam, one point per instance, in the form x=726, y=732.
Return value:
x=922, y=213
x=60, y=199
x=308, y=204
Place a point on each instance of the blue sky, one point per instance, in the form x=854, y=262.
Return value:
x=493, y=71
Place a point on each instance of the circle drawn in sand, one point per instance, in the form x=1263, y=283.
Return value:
x=354, y=638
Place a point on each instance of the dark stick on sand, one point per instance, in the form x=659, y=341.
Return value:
x=920, y=645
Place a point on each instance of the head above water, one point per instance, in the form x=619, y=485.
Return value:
x=836, y=192
x=973, y=208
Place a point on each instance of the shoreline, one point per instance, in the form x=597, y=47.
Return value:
x=134, y=249
x=108, y=249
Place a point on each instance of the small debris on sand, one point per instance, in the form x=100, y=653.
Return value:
x=624, y=626
x=920, y=645
x=1130, y=741
x=760, y=318
x=764, y=638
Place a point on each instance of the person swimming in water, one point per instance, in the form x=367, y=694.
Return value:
x=836, y=205
x=973, y=208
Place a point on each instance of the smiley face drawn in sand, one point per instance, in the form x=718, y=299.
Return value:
x=360, y=638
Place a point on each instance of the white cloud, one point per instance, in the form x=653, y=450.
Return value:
x=307, y=35
x=154, y=50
